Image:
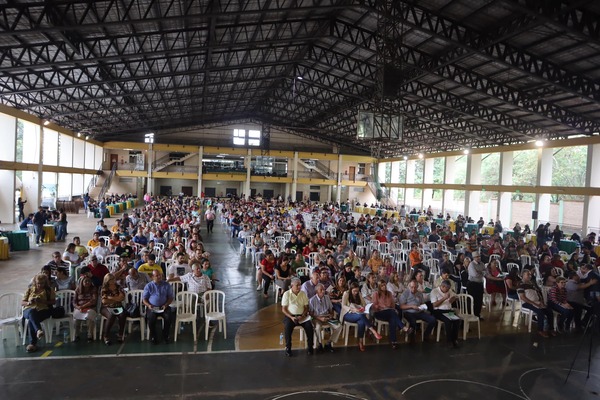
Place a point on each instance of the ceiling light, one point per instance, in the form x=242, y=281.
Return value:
x=466, y=151
x=405, y=158
x=46, y=122
x=299, y=78
x=539, y=143
x=87, y=137
x=421, y=155
x=78, y=134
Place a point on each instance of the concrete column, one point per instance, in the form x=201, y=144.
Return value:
x=395, y=179
x=40, y=169
x=591, y=205
x=248, y=164
x=427, y=178
x=338, y=191
x=544, y=178
x=150, y=180
x=448, y=195
x=200, y=155
x=295, y=176
x=473, y=178
x=504, y=205
x=409, y=193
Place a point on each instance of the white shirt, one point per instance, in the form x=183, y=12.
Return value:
x=178, y=269
x=437, y=294
x=196, y=284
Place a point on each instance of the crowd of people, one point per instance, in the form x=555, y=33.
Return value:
x=399, y=271
x=144, y=250
x=329, y=268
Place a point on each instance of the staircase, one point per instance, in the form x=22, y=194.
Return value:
x=314, y=165
x=95, y=186
x=106, y=184
x=381, y=193
x=165, y=161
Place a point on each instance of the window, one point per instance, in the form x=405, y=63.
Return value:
x=239, y=137
x=253, y=138
x=361, y=168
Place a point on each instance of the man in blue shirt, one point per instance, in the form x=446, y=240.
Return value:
x=157, y=297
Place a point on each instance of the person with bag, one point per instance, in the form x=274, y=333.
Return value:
x=112, y=308
x=37, y=306
x=86, y=298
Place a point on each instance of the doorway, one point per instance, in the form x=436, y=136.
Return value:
x=352, y=174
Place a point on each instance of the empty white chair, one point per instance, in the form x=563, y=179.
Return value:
x=466, y=313
x=187, y=311
x=11, y=313
x=214, y=310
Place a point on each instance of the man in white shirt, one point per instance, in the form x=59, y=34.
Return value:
x=196, y=281
x=101, y=250
x=442, y=298
x=321, y=310
x=294, y=305
x=135, y=280
x=179, y=268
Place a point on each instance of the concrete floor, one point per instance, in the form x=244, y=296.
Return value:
x=506, y=363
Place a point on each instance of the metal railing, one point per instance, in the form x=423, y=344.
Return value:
x=107, y=182
x=92, y=184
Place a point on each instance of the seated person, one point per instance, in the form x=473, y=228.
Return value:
x=442, y=298
x=84, y=304
x=321, y=310
x=195, y=280
x=97, y=270
x=532, y=299
x=101, y=250
x=36, y=308
x=71, y=254
x=57, y=261
x=150, y=266
x=79, y=249
x=384, y=309
x=413, y=305
x=63, y=281
x=557, y=301
x=178, y=268
x=157, y=297
x=135, y=280
x=29, y=220
x=95, y=240
x=123, y=247
x=112, y=308
x=294, y=305
x=353, y=308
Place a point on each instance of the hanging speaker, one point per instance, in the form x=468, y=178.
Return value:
x=534, y=215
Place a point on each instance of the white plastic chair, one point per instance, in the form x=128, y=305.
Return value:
x=65, y=299
x=135, y=296
x=214, y=310
x=112, y=261
x=11, y=313
x=177, y=287
x=187, y=311
x=467, y=314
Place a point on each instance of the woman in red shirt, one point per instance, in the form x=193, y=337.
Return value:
x=267, y=267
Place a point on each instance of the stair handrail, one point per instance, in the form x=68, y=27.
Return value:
x=107, y=182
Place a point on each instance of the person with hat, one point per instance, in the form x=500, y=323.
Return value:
x=477, y=272
x=531, y=298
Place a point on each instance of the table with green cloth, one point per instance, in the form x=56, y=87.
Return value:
x=18, y=240
x=567, y=245
x=471, y=228
x=414, y=217
x=117, y=207
x=130, y=203
x=439, y=221
x=379, y=212
x=509, y=232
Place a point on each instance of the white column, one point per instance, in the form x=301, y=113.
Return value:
x=248, y=162
x=448, y=196
x=544, y=178
x=591, y=205
x=427, y=178
x=40, y=168
x=200, y=155
x=338, y=192
x=295, y=176
x=409, y=193
x=395, y=179
x=150, y=180
x=473, y=178
x=504, y=205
